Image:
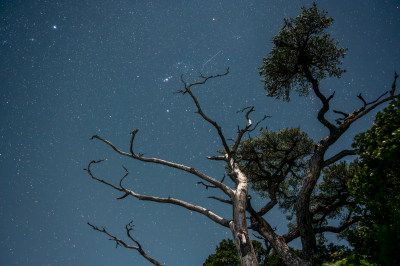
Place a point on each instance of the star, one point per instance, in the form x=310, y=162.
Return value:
x=54, y=27
x=167, y=79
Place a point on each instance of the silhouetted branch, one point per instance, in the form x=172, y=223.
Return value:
x=294, y=233
x=267, y=207
x=340, y=119
x=325, y=101
x=339, y=156
x=101, y=180
x=345, y=224
x=200, y=110
x=394, y=84
x=221, y=200
x=368, y=106
x=217, y=158
x=119, y=242
x=359, y=96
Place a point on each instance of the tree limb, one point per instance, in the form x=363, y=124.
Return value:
x=267, y=207
x=210, y=186
x=226, y=189
x=119, y=242
x=196, y=208
x=221, y=200
x=247, y=128
x=277, y=242
x=339, y=228
x=325, y=101
x=369, y=106
x=217, y=158
x=293, y=234
x=339, y=156
x=200, y=110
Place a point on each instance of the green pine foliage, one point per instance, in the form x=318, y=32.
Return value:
x=301, y=45
x=227, y=255
x=376, y=187
x=275, y=162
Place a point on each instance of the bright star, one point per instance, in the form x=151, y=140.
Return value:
x=54, y=27
x=167, y=79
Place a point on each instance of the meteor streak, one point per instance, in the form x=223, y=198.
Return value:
x=211, y=58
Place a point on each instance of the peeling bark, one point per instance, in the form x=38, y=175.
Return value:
x=239, y=224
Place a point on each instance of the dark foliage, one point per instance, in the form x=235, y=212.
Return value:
x=376, y=186
x=275, y=162
x=302, y=46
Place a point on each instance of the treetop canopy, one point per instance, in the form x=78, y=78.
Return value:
x=302, y=53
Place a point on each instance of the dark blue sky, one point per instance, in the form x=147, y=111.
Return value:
x=72, y=69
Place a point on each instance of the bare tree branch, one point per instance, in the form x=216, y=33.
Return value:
x=226, y=189
x=339, y=228
x=325, y=101
x=247, y=128
x=369, y=106
x=196, y=208
x=119, y=242
x=221, y=200
x=340, y=119
x=293, y=234
x=267, y=207
x=217, y=158
x=210, y=186
x=394, y=84
x=200, y=110
x=101, y=180
x=216, y=218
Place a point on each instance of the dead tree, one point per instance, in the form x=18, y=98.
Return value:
x=238, y=196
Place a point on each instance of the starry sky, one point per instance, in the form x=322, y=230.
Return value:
x=72, y=69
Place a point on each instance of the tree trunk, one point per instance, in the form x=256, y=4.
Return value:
x=303, y=215
x=239, y=224
x=277, y=242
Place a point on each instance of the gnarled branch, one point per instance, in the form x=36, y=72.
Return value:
x=247, y=128
x=369, y=106
x=210, y=186
x=119, y=242
x=277, y=242
x=226, y=189
x=200, y=110
x=325, y=101
x=293, y=234
x=196, y=208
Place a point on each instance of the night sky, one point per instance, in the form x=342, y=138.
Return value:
x=72, y=69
